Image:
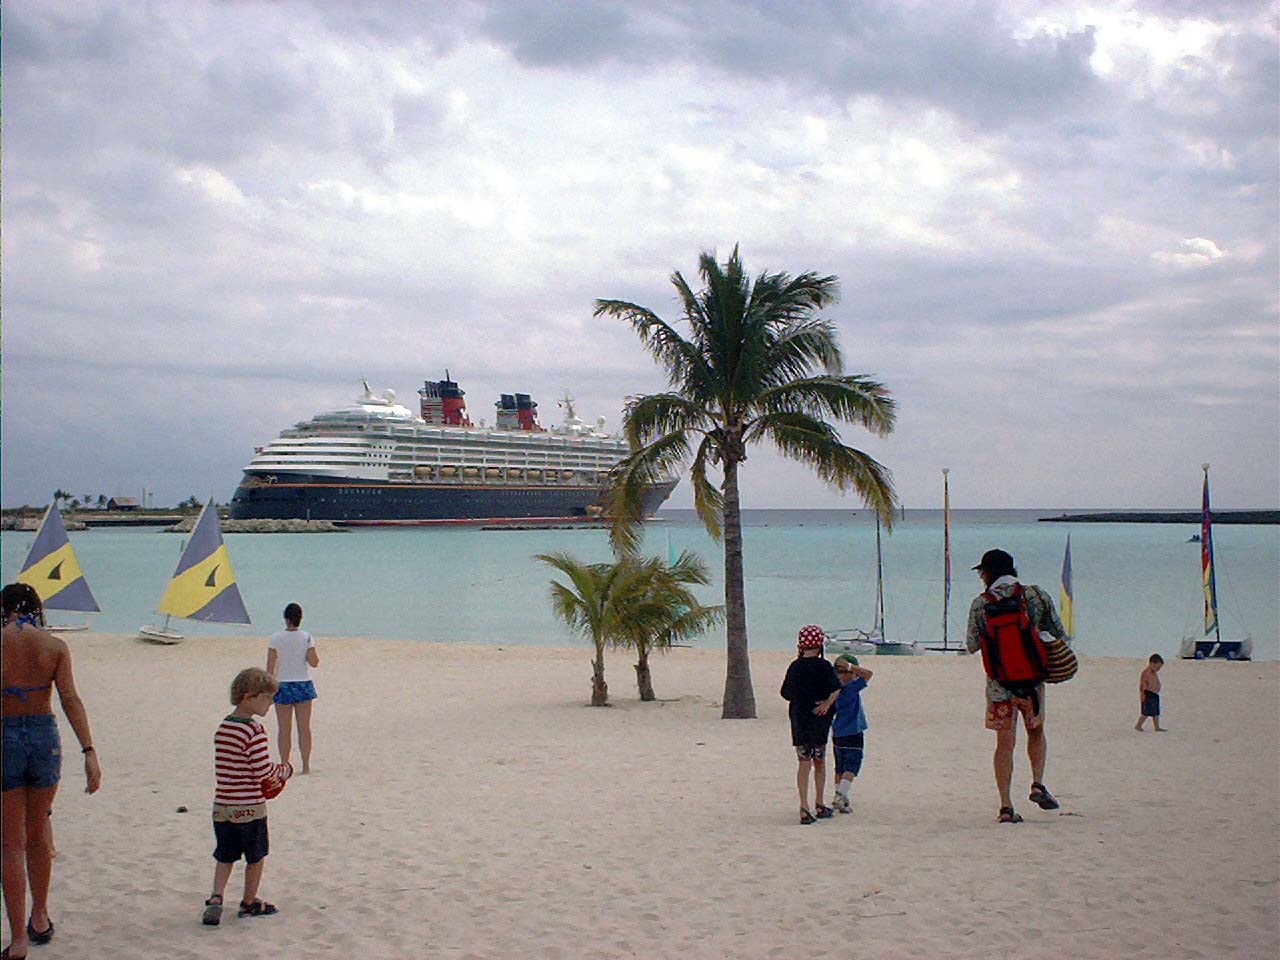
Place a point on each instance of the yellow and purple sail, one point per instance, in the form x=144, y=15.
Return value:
x=1206, y=562
x=1067, y=596
x=51, y=568
x=203, y=586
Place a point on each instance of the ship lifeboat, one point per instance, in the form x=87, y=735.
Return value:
x=424, y=473
x=534, y=474
x=514, y=474
x=492, y=473
x=566, y=474
x=448, y=471
x=602, y=476
x=471, y=471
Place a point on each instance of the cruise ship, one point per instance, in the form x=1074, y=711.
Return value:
x=378, y=462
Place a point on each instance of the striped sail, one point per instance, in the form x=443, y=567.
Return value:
x=1206, y=561
x=1067, y=597
x=203, y=586
x=52, y=569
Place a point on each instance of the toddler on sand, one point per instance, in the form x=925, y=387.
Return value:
x=1149, y=693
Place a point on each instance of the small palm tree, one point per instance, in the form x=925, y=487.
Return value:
x=585, y=608
x=655, y=609
x=759, y=365
x=59, y=495
x=102, y=501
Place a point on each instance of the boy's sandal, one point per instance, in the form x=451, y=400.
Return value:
x=40, y=937
x=212, y=911
x=806, y=817
x=1042, y=798
x=259, y=908
x=822, y=811
x=1008, y=816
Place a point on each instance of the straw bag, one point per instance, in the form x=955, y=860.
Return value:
x=1060, y=662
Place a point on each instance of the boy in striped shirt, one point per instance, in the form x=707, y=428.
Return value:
x=243, y=768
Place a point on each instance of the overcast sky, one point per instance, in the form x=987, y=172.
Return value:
x=1054, y=226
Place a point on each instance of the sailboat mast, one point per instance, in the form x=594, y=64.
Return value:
x=879, y=582
x=946, y=552
x=1206, y=563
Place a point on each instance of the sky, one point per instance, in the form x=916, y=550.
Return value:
x=1054, y=227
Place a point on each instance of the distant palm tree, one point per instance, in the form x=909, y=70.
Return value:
x=59, y=495
x=655, y=609
x=585, y=608
x=759, y=366
x=102, y=501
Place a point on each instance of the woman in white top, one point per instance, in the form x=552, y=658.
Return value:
x=290, y=656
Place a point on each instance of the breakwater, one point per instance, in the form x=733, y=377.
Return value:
x=1160, y=516
x=263, y=526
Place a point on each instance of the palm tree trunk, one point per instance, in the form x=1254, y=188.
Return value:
x=739, y=697
x=644, y=678
x=599, y=689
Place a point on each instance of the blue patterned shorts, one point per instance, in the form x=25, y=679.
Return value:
x=295, y=691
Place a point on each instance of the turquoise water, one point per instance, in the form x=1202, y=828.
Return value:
x=1137, y=586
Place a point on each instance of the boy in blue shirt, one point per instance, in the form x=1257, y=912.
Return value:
x=848, y=727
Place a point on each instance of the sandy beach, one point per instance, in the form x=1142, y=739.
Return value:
x=466, y=803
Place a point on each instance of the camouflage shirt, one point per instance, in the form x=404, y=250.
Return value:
x=1040, y=611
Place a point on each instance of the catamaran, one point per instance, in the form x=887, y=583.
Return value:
x=1195, y=648
x=855, y=641
x=52, y=570
x=203, y=586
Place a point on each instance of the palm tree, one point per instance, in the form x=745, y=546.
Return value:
x=585, y=609
x=654, y=609
x=102, y=501
x=59, y=495
x=759, y=365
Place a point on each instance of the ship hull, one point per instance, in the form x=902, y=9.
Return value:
x=361, y=502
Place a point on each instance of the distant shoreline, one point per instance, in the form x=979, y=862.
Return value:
x=1180, y=516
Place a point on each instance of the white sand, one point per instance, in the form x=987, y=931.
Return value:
x=466, y=803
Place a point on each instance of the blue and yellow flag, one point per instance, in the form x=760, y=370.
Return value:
x=52, y=569
x=204, y=586
x=1067, y=598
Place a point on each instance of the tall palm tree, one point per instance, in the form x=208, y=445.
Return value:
x=654, y=609
x=758, y=365
x=585, y=608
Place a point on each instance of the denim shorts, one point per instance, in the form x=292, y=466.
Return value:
x=295, y=691
x=235, y=840
x=32, y=752
x=848, y=751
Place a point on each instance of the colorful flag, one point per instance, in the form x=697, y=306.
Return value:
x=1067, y=596
x=1206, y=562
x=52, y=569
x=203, y=586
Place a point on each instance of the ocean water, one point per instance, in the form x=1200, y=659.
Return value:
x=1137, y=586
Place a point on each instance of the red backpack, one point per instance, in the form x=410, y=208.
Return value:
x=1012, y=652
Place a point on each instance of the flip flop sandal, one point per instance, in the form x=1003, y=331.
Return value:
x=212, y=912
x=806, y=817
x=40, y=937
x=1042, y=798
x=259, y=908
x=1008, y=816
x=822, y=811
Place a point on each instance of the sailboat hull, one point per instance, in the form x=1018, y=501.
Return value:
x=1193, y=649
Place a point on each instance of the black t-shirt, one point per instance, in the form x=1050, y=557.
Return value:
x=808, y=680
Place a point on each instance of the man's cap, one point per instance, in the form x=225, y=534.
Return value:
x=847, y=658
x=995, y=562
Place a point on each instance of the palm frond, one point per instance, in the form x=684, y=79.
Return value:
x=707, y=500
x=631, y=479
x=814, y=443
x=657, y=414
x=853, y=399
x=676, y=354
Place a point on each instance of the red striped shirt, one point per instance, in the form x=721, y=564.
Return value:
x=241, y=759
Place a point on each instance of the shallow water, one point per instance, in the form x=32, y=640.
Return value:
x=1137, y=586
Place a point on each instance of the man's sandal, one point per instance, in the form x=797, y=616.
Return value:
x=806, y=817
x=822, y=811
x=212, y=911
x=40, y=937
x=1008, y=816
x=1042, y=798
x=259, y=908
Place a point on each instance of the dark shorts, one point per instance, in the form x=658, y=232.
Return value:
x=295, y=691
x=811, y=751
x=1150, y=704
x=32, y=752
x=848, y=751
x=236, y=840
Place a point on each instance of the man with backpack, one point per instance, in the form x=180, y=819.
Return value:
x=1005, y=623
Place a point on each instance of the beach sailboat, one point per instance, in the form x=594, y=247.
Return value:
x=203, y=587
x=856, y=641
x=1194, y=648
x=51, y=568
x=946, y=565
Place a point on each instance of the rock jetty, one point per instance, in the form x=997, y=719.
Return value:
x=1185, y=516
x=33, y=523
x=263, y=526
